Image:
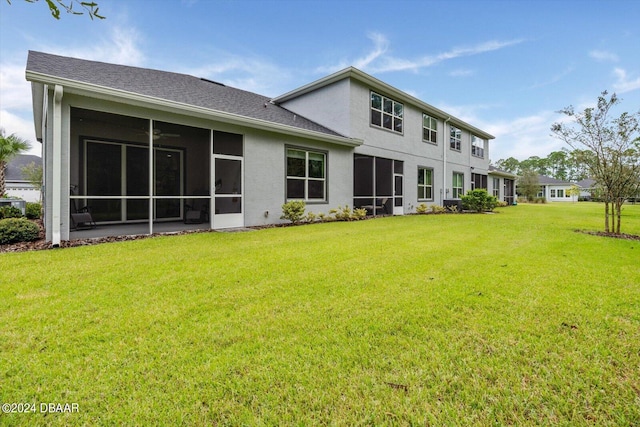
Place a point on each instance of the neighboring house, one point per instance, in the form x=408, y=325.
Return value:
x=555, y=190
x=145, y=146
x=15, y=184
x=502, y=185
x=588, y=189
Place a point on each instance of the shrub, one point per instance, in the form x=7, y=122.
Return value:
x=436, y=209
x=359, y=213
x=502, y=204
x=346, y=214
x=479, y=200
x=311, y=217
x=14, y=230
x=422, y=208
x=293, y=211
x=10, y=212
x=33, y=210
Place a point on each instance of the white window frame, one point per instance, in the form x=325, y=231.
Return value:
x=429, y=127
x=306, y=178
x=477, y=146
x=457, y=192
x=422, y=188
x=496, y=187
x=396, y=115
x=455, y=138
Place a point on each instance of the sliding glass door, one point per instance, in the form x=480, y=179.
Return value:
x=119, y=173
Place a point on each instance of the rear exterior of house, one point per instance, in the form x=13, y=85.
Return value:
x=556, y=190
x=156, y=150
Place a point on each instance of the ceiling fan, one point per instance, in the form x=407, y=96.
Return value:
x=158, y=134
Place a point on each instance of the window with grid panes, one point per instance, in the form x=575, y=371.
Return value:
x=386, y=113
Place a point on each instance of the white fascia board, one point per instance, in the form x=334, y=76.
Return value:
x=503, y=174
x=380, y=86
x=117, y=95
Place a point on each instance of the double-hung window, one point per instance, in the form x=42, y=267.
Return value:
x=455, y=138
x=429, y=129
x=496, y=187
x=386, y=113
x=457, y=185
x=425, y=184
x=477, y=146
x=306, y=175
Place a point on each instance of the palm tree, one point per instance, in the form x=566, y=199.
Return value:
x=10, y=146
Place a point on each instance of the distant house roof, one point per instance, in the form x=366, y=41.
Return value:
x=586, y=183
x=15, y=165
x=547, y=180
x=500, y=172
x=173, y=91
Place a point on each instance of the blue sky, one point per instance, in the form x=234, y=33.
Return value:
x=506, y=67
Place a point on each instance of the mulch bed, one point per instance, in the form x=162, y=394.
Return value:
x=612, y=235
x=41, y=244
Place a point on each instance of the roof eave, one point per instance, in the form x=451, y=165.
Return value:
x=83, y=88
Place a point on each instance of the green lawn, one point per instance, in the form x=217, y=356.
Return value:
x=504, y=319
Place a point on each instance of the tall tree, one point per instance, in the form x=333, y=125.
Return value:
x=611, y=151
x=56, y=6
x=557, y=164
x=529, y=184
x=510, y=165
x=10, y=146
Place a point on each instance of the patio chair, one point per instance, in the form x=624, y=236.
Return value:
x=196, y=212
x=81, y=218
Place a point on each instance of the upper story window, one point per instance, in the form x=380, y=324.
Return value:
x=455, y=138
x=386, y=113
x=477, y=146
x=429, y=129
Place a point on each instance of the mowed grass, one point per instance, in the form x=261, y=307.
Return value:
x=504, y=319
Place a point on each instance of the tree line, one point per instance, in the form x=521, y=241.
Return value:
x=565, y=165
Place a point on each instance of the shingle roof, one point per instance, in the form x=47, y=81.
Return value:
x=547, y=180
x=497, y=171
x=175, y=87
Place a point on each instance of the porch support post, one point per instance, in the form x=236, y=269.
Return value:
x=212, y=184
x=151, y=201
x=56, y=167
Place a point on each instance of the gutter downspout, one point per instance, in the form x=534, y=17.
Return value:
x=444, y=160
x=56, y=166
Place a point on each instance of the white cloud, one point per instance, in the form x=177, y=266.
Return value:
x=519, y=137
x=461, y=73
x=624, y=83
x=554, y=79
x=121, y=46
x=253, y=74
x=22, y=127
x=379, y=61
x=603, y=56
x=14, y=89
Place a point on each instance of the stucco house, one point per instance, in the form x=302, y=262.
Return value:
x=556, y=190
x=151, y=150
x=15, y=183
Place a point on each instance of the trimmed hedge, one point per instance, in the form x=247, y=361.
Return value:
x=13, y=230
x=10, y=212
x=33, y=210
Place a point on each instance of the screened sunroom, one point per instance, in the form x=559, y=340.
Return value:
x=140, y=176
